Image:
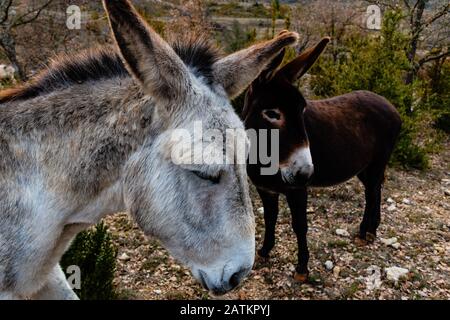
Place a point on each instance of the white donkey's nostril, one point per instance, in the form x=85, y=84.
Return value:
x=237, y=277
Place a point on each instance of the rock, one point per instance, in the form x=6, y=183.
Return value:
x=391, y=208
x=391, y=242
x=124, y=257
x=342, y=233
x=390, y=200
x=329, y=265
x=427, y=209
x=373, y=280
x=395, y=273
x=447, y=192
x=407, y=201
x=336, y=271
x=446, y=182
x=423, y=293
x=260, y=210
x=157, y=291
x=395, y=245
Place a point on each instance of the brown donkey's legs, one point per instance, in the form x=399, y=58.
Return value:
x=297, y=201
x=372, y=178
x=270, y=203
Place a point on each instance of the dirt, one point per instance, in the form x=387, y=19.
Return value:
x=415, y=210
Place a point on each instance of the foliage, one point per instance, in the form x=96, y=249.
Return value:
x=438, y=100
x=94, y=253
x=238, y=38
x=234, y=9
x=377, y=64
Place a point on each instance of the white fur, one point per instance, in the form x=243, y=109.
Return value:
x=62, y=179
x=300, y=163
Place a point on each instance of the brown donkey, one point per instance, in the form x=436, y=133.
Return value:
x=322, y=143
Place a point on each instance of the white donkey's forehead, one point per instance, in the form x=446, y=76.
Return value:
x=210, y=125
x=211, y=105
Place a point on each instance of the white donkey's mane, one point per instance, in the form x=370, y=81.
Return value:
x=97, y=64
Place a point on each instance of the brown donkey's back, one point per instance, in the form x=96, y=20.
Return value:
x=354, y=130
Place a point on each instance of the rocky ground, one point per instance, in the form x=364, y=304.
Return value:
x=409, y=260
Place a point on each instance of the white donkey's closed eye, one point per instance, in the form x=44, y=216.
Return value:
x=214, y=178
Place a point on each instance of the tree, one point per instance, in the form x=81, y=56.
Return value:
x=275, y=6
x=426, y=27
x=325, y=18
x=12, y=17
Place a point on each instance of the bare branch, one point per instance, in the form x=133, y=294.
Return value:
x=442, y=12
x=406, y=3
x=386, y=4
x=432, y=58
x=5, y=11
x=21, y=20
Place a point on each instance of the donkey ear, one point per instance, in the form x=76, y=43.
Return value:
x=268, y=72
x=300, y=65
x=236, y=71
x=150, y=59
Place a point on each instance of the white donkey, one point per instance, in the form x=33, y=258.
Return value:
x=90, y=137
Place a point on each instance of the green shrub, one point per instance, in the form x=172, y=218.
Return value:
x=407, y=153
x=442, y=122
x=94, y=253
x=6, y=83
x=438, y=100
x=378, y=64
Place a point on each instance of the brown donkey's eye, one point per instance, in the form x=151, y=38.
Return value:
x=272, y=115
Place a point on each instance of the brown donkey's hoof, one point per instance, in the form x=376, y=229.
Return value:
x=261, y=259
x=300, y=277
x=262, y=253
x=369, y=239
x=360, y=242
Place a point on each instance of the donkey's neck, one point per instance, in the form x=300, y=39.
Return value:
x=74, y=144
